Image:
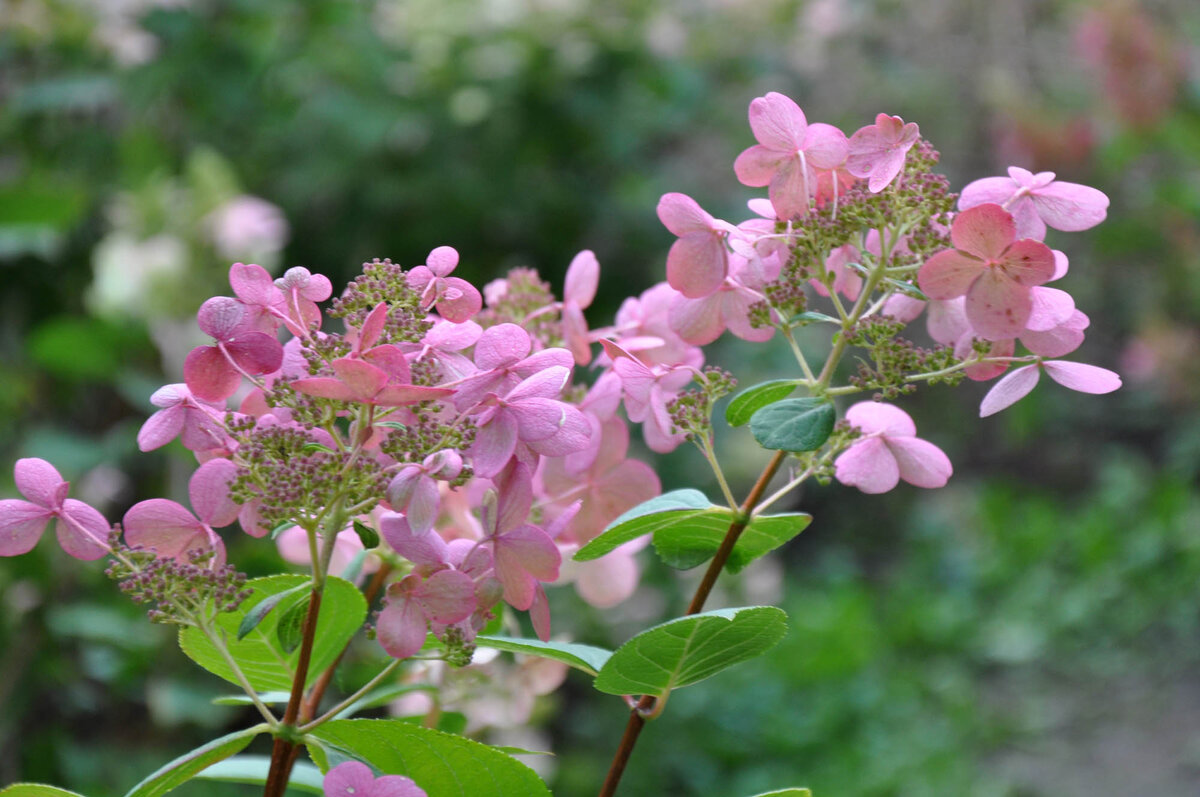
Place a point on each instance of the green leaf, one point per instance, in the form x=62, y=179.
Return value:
x=185, y=767
x=907, y=288
x=689, y=649
x=812, y=316
x=691, y=544
x=801, y=424
x=317, y=447
x=754, y=398
x=280, y=528
x=441, y=764
x=253, y=769
x=786, y=793
x=278, y=697
x=368, y=535
x=668, y=509
x=343, y=611
x=583, y=657
x=264, y=607
x=289, y=631
x=391, y=425
x=36, y=790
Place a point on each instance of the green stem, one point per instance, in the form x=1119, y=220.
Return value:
x=369, y=685
x=218, y=642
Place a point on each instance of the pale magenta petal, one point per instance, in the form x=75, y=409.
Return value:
x=164, y=526
x=984, y=231
x=21, y=526
x=947, y=320
x=422, y=508
x=401, y=628
x=1082, y=377
x=221, y=317
x=82, y=531
x=349, y=779
x=542, y=360
x=902, y=307
x=682, y=215
x=985, y=372
x=735, y=311
x=921, y=463
x=1009, y=390
x=988, y=190
x=460, y=302
x=1061, y=265
x=608, y=580
x=363, y=379
x=825, y=146
x=324, y=387
x=1070, y=207
x=789, y=190
x=547, y=384
x=697, y=321
x=400, y=395
x=539, y=614
x=574, y=434
x=537, y=418
x=161, y=428
x=532, y=549
x=396, y=786
x=778, y=122
x=1051, y=307
x=756, y=166
x=501, y=345
x=697, y=264
x=494, y=445
x=252, y=283
x=447, y=596
x=38, y=481
x=1061, y=340
x=1028, y=262
x=997, y=307
x=575, y=333
x=208, y=490
x=209, y=375
x=948, y=274
x=868, y=464
x=583, y=277
x=442, y=260
x=1025, y=216
x=422, y=548
x=875, y=417
x=256, y=352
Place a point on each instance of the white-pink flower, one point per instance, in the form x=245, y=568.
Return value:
x=888, y=451
x=877, y=151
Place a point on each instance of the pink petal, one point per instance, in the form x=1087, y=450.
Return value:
x=756, y=166
x=494, y=445
x=868, y=464
x=529, y=548
x=539, y=614
x=998, y=307
x=349, y=779
x=825, y=146
x=583, y=277
x=161, y=428
x=21, y=526
x=1051, y=307
x=985, y=372
x=947, y=320
x=38, y=481
x=575, y=333
x=609, y=580
x=447, y=596
x=82, y=531
x=542, y=360
x=984, y=231
x=682, y=215
x=989, y=190
x=1009, y=390
x=574, y=434
x=401, y=628
x=209, y=375
x=1070, y=207
x=422, y=509
x=164, y=526
x=208, y=490
x=421, y=548
x=1082, y=377
x=789, y=189
x=363, y=379
x=1061, y=340
x=442, y=260
x=948, y=274
x=546, y=384
x=874, y=417
x=201, y=432
x=697, y=321
x=401, y=395
x=256, y=352
x=537, y=418
x=501, y=345
x=324, y=387
x=460, y=302
x=221, y=317
x=697, y=264
x=372, y=326
x=396, y=786
x=778, y=122
x=735, y=311
x=1028, y=262
x=921, y=463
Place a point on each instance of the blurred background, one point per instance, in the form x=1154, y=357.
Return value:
x=1031, y=629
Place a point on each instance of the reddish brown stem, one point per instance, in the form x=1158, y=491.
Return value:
x=284, y=751
x=645, y=705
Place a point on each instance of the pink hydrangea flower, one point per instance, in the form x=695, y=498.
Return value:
x=446, y=596
x=889, y=451
x=81, y=530
x=788, y=152
x=583, y=278
x=215, y=372
x=172, y=531
x=455, y=299
x=993, y=269
x=301, y=291
x=199, y=422
x=1038, y=200
x=355, y=779
x=877, y=151
x=255, y=289
x=698, y=262
x=1018, y=384
x=701, y=321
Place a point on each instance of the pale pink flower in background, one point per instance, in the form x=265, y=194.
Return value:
x=293, y=547
x=993, y=269
x=81, y=530
x=247, y=227
x=355, y=779
x=889, y=451
x=1018, y=384
x=698, y=262
x=1037, y=201
x=788, y=153
x=877, y=151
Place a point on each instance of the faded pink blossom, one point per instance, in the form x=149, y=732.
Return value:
x=355, y=779
x=993, y=269
x=788, y=153
x=877, y=151
x=215, y=372
x=583, y=278
x=446, y=596
x=455, y=299
x=386, y=381
x=1018, y=384
x=701, y=321
x=81, y=530
x=1038, y=200
x=889, y=451
x=698, y=262
x=199, y=423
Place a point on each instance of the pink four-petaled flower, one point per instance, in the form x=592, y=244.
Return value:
x=81, y=530
x=355, y=779
x=888, y=451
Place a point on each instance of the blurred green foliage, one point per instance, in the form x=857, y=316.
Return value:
x=1023, y=632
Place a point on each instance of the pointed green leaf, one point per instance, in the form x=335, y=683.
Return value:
x=801, y=424
x=264, y=607
x=811, y=317
x=253, y=769
x=907, y=288
x=689, y=649
x=289, y=631
x=584, y=657
x=36, y=790
x=668, y=509
x=278, y=698
x=786, y=793
x=694, y=543
x=185, y=767
x=441, y=764
x=754, y=398
x=368, y=535
x=343, y=611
